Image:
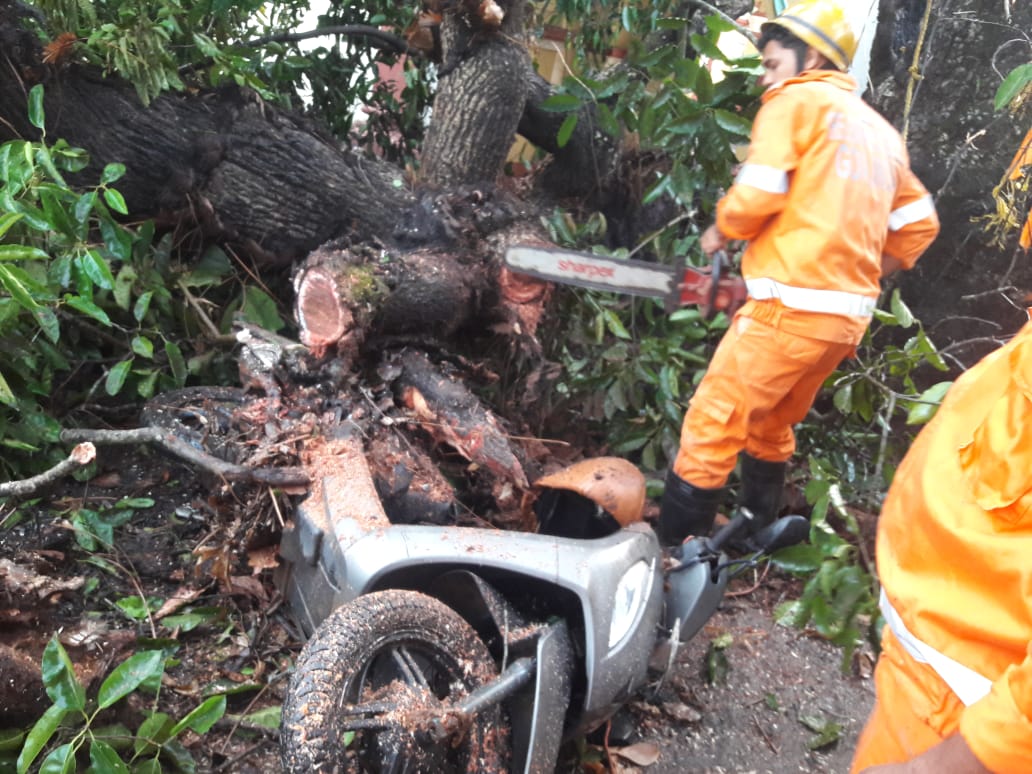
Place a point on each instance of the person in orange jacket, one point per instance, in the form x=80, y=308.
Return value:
x=829, y=205
x=954, y=554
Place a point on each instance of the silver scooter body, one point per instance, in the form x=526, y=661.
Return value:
x=606, y=598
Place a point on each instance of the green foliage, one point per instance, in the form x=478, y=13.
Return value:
x=167, y=45
x=82, y=293
x=1013, y=91
x=670, y=104
x=879, y=397
x=95, y=529
x=629, y=366
x=838, y=600
x=72, y=728
x=876, y=395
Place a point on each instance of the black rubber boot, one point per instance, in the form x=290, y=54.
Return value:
x=763, y=483
x=686, y=510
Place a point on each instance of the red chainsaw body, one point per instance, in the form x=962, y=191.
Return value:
x=697, y=290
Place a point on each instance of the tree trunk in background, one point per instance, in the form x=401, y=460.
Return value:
x=479, y=102
x=964, y=288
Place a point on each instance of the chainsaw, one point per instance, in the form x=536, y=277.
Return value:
x=708, y=289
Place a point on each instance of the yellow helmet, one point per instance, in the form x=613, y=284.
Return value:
x=823, y=25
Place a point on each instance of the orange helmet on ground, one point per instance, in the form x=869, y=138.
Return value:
x=612, y=483
x=823, y=25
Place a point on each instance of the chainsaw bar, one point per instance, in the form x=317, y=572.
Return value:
x=620, y=275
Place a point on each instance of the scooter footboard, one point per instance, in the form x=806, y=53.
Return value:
x=538, y=712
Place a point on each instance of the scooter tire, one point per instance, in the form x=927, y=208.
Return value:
x=398, y=648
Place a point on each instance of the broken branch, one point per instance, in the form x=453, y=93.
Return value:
x=183, y=450
x=82, y=454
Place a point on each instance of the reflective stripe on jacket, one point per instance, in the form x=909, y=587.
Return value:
x=825, y=191
x=955, y=553
x=812, y=299
x=966, y=683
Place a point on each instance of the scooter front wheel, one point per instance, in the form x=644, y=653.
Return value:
x=372, y=689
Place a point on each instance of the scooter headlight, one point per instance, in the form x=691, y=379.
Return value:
x=631, y=594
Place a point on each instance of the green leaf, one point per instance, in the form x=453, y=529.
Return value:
x=62, y=686
x=181, y=758
x=147, y=384
x=561, y=103
x=900, y=310
x=37, y=117
x=843, y=398
x=59, y=761
x=213, y=267
x=176, y=362
x=202, y=717
x=149, y=766
x=124, y=282
x=115, y=201
x=615, y=326
x=116, y=239
x=142, y=305
x=40, y=735
x=1015, y=83
x=128, y=675
x=260, y=309
x=136, y=503
x=115, y=735
x=801, y=558
x=7, y=220
x=105, y=760
x=48, y=323
x=142, y=346
x=704, y=84
x=566, y=130
x=116, y=377
x=97, y=269
x=56, y=211
x=136, y=607
x=6, y=395
x=89, y=309
x=153, y=732
x=733, y=123
x=920, y=413
x=84, y=206
x=22, y=253
x=14, y=280
x=267, y=717
x=112, y=172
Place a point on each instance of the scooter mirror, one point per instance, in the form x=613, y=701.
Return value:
x=786, y=531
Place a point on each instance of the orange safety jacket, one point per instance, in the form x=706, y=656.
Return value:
x=954, y=553
x=825, y=192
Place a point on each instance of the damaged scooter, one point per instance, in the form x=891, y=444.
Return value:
x=462, y=649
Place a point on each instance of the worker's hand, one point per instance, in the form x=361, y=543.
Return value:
x=712, y=240
x=951, y=756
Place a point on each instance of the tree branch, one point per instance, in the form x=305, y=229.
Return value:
x=385, y=39
x=183, y=450
x=81, y=455
x=738, y=27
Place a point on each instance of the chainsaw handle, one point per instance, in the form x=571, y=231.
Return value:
x=709, y=309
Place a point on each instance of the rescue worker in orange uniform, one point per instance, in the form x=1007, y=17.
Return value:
x=954, y=554
x=829, y=205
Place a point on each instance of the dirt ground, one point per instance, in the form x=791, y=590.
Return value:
x=780, y=691
x=746, y=695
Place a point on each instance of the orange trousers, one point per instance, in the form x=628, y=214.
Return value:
x=914, y=710
x=761, y=381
